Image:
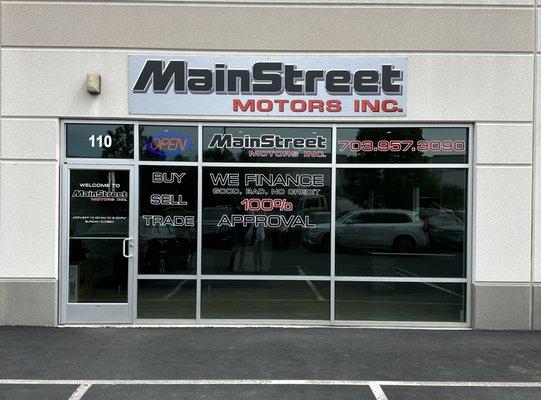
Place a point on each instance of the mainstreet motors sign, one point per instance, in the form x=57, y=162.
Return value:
x=265, y=85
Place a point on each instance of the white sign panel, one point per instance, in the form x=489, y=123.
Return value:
x=267, y=85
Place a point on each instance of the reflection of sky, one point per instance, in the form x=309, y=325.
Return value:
x=445, y=134
x=79, y=144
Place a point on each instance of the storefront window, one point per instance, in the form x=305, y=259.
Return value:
x=267, y=144
x=167, y=220
x=167, y=143
x=166, y=299
x=402, y=145
x=297, y=300
x=256, y=220
x=99, y=141
x=267, y=223
x=401, y=222
x=401, y=301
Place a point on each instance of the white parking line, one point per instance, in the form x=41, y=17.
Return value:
x=378, y=392
x=91, y=382
x=406, y=273
x=79, y=393
x=412, y=254
x=175, y=290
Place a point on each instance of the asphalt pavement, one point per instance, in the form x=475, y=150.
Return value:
x=268, y=363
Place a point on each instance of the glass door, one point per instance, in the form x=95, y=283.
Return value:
x=98, y=249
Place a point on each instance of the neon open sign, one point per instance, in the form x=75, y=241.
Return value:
x=169, y=144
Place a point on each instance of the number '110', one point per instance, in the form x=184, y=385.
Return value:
x=100, y=140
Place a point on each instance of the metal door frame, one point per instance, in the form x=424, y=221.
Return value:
x=107, y=313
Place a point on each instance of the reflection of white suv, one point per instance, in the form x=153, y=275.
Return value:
x=311, y=204
x=400, y=230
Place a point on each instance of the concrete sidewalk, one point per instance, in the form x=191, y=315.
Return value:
x=274, y=363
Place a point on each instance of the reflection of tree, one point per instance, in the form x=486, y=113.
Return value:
x=122, y=143
x=244, y=157
x=218, y=155
x=143, y=140
x=145, y=154
x=454, y=196
x=388, y=188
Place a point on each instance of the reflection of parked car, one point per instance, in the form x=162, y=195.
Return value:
x=374, y=229
x=321, y=217
x=165, y=249
x=310, y=204
x=211, y=231
x=431, y=204
x=445, y=231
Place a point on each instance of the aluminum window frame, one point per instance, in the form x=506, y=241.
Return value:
x=333, y=166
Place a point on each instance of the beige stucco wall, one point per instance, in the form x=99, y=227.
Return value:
x=469, y=61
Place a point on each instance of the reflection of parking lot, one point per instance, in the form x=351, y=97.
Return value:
x=399, y=301
x=294, y=300
x=384, y=263
x=352, y=262
x=276, y=260
x=302, y=300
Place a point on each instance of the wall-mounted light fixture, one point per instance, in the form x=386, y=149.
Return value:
x=93, y=83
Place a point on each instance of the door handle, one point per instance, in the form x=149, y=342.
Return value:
x=129, y=241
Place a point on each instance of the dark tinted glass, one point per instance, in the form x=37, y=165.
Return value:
x=402, y=145
x=167, y=219
x=267, y=144
x=99, y=141
x=168, y=143
x=265, y=300
x=98, y=272
x=166, y=299
x=400, y=222
x=258, y=220
x=99, y=202
x=399, y=301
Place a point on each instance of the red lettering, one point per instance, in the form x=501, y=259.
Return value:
x=248, y=106
x=296, y=106
x=386, y=108
x=367, y=104
x=264, y=105
x=281, y=104
x=334, y=105
x=301, y=103
x=317, y=105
